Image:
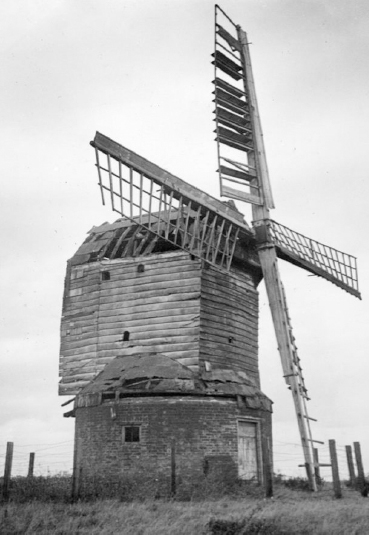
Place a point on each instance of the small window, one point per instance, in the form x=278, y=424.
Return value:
x=125, y=336
x=140, y=268
x=132, y=433
x=105, y=275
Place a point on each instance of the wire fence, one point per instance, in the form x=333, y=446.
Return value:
x=49, y=458
x=337, y=465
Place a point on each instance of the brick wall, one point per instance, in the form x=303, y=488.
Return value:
x=204, y=430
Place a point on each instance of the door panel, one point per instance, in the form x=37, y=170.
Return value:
x=247, y=452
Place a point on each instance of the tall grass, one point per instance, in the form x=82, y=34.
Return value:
x=210, y=508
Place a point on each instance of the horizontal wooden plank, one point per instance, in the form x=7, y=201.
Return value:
x=239, y=279
x=117, y=349
x=119, y=301
x=144, y=286
x=225, y=170
x=247, y=297
x=215, y=301
x=161, y=317
x=219, y=337
x=188, y=361
x=234, y=118
x=232, y=193
x=235, y=101
x=112, y=321
x=122, y=279
x=173, y=300
x=237, y=362
x=226, y=326
x=127, y=321
x=232, y=41
x=213, y=304
x=140, y=338
x=224, y=349
x=147, y=329
x=218, y=82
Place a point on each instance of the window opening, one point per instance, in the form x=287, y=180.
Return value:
x=105, y=275
x=125, y=336
x=140, y=268
x=132, y=433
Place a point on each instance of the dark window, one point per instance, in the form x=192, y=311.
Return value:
x=140, y=268
x=125, y=336
x=132, y=434
x=105, y=275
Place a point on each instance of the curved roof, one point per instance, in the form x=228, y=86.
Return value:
x=152, y=373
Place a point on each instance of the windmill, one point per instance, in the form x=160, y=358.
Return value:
x=166, y=207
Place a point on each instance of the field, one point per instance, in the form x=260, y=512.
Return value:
x=291, y=511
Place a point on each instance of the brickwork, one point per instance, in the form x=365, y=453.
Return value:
x=204, y=430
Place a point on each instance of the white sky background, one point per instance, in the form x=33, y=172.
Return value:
x=140, y=72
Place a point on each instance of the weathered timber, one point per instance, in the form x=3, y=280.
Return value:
x=143, y=346
x=240, y=323
x=228, y=337
x=137, y=321
x=136, y=300
x=335, y=472
x=218, y=82
x=221, y=350
x=214, y=301
x=151, y=330
x=161, y=176
x=233, y=43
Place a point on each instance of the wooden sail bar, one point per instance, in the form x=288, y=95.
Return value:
x=236, y=129
x=167, y=206
x=333, y=265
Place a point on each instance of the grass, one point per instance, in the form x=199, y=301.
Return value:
x=290, y=512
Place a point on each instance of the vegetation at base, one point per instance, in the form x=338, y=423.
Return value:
x=211, y=507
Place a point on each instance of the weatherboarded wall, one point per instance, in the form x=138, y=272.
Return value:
x=129, y=306
x=205, y=431
x=229, y=321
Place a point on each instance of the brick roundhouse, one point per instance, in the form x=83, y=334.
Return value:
x=161, y=349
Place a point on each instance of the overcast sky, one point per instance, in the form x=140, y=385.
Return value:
x=140, y=72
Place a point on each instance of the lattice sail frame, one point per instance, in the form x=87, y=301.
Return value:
x=242, y=176
x=322, y=260
x=166, y=206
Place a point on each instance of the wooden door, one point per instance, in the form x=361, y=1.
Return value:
x=247, y=451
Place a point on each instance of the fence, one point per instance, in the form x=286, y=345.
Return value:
x=342, y=462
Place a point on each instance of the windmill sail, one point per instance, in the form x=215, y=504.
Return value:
x=166, y=205
x=322, y=260
x=252, y=172
x=238, y=129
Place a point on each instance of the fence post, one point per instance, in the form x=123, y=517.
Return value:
x=173, y=468
x=335, y=473
x=360, y=470
x=7, y=470
x=316, y=466
x=268, y=470
x=351, y=468
x=31, y=464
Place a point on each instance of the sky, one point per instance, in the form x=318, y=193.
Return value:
x=140, y=72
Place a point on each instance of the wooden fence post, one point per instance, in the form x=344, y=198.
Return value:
x=268, y=470
x=360, y=470
x=31, y=465
x=7, y=470
x=335, y=473
x=351, y=468
x=316, y=466
x=173, y=468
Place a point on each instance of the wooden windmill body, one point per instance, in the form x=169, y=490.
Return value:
x=176, y=277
